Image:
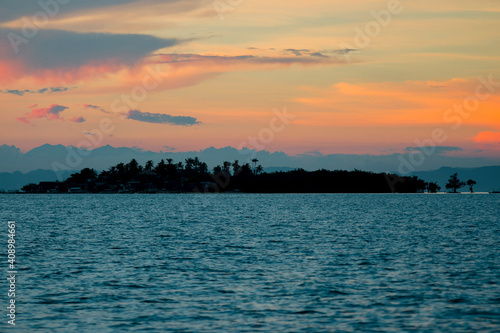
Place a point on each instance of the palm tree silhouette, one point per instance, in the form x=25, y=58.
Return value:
x=149, y=165
x=236, y=167
x=254, y=161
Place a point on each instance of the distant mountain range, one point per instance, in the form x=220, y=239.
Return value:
x=487, y=178
x=50, y=157
x=52, y=162
x=16, y=180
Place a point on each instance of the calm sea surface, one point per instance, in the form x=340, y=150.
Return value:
x=254, y=262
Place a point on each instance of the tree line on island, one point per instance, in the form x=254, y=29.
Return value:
x=194, y=176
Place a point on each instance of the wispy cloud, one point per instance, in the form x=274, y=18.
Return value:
x=40, y=91
x=77, y=119
x=160, y=118
x=168, y=148
x=296, y=51
x=95, y=107
x=340, y=51
x=438, y=150
x=179, y=60
x=318, y=53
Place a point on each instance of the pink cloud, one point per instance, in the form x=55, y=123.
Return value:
x=23, y=120
x=50, y=113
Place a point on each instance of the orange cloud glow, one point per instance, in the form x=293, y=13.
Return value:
x=402, y=103
x=488, y=137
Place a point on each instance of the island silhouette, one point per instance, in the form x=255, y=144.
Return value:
x=193, y=175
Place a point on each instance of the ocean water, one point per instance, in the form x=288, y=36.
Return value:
x=254, y=262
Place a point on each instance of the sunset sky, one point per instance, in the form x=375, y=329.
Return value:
x=360, y=77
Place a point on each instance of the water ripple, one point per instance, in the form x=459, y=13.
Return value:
x=256, y=262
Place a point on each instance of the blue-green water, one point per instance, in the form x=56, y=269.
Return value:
x=254, y=262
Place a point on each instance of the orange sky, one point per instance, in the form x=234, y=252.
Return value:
x=365, y=77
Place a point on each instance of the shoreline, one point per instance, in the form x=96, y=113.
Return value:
x=241, y=192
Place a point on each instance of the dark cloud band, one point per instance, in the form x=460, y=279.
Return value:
x=159, y=118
